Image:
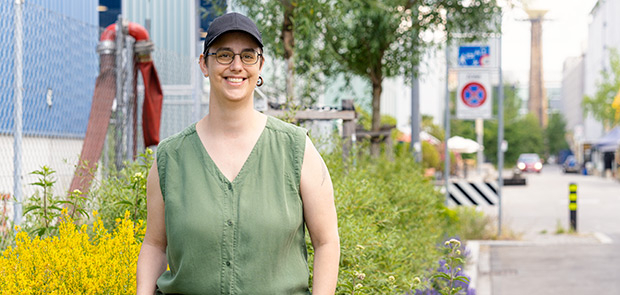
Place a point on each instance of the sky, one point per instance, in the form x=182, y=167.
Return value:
x=564, y=35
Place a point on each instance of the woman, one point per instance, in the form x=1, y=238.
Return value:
x=228, y=197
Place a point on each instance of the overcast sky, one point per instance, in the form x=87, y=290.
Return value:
x=564, y=35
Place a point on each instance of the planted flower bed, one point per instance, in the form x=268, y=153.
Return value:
x=390, y=221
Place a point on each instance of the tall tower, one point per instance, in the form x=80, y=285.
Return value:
x=537, y=103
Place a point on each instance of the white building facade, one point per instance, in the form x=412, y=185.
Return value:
x=603, y=35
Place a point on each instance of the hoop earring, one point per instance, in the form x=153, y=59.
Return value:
x=259, y=83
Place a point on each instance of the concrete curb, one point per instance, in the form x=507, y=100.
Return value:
x=471, y=268
x=478, y=267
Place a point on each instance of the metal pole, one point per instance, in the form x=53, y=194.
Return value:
x=128, y=99
x=415, y=144
x=500, y=137
x=18, y=93
x=118, y=126
x=446, y=172
x=197, y=77
x=479, y=138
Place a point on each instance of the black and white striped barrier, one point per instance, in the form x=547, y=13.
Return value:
x=464, y=193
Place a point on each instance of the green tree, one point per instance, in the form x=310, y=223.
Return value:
x=291, y=30
x=212, y=8
x=600, y=105
x=523, y=136
x=379, y=39
x=555, y=134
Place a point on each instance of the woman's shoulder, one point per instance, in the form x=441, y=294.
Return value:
x=177, y=139
x=280, y=126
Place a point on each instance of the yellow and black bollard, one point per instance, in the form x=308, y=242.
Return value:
x=572, y=205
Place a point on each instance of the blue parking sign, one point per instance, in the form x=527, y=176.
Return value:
x=474, y=56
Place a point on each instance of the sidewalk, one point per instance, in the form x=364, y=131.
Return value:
x=543, y=264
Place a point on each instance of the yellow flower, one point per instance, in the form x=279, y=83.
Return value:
x=73, y=262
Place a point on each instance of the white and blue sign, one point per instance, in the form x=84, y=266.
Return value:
x=474, y=94
x=474, y=100
x=474, y=56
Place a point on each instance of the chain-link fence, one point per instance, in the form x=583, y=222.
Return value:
x=47, y=70
x=49, y=67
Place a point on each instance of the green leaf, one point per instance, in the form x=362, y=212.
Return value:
x=124, y=202
x=31, y=208
x=441, y=275
x=462, y=279
x=40, y=231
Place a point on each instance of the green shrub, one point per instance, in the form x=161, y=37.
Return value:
x=430, y=156
x=390, y=219
x=467, y=223
x=124, y=190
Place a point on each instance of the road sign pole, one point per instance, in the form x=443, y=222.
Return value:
x=500, y=137
x=446, y=152
x=416, y=145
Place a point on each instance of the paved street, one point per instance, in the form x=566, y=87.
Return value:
x=542, y=205
x=542, y=261
x=555, y=269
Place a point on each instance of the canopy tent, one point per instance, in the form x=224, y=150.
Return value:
x=609, y=142
x=463, y=145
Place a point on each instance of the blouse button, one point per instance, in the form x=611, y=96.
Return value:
x=227, y=263
x=230, y=223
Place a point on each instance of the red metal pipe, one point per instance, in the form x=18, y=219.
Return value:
x=135, y=30
x=103, y=97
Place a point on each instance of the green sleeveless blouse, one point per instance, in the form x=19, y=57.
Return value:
x=241, y=237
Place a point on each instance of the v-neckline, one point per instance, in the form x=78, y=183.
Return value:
x=216, y=169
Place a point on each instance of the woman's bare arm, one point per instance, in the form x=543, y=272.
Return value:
x=320, y=215
x=152, y=260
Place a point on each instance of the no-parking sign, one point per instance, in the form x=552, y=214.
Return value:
x=473, y=96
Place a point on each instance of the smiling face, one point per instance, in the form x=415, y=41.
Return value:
x=236, y=81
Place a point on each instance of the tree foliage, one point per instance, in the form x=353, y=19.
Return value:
x=432, y=128
x=555, y=134
x=371, y=39
x=600, y=105
x=380, y=39
x=210, y=9
x=292, y=31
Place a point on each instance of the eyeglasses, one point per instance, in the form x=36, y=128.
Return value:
x=226, y=56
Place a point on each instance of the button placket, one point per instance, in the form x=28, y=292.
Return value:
x=229, y=232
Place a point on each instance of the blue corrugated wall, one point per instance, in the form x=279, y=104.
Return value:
x=59, y=54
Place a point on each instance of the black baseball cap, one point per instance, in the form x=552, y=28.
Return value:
x=228, y=23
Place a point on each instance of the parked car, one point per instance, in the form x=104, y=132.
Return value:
x=529, y=163
x=570, y=165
